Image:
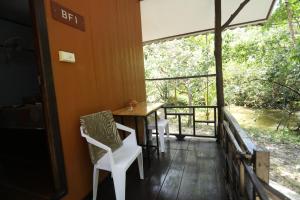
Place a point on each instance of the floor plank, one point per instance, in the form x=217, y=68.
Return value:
x=188, y=170
x=172, y=182
x=155, y=176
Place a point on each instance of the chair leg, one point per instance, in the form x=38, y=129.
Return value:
x=141, y=167
x=161, y=139
x=167, y=130
x=120, y=184
x=145, y=135
x=95, y=182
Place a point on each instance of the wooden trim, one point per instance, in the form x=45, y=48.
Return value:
x=231, y=18
x=273, y=193
x=270, y=9
x=256, y=182
x=197, y=136
x=180, y=77
x=49, y=99
x=241, y=135
x=166, y=106
x=232, y=139
x=190, y=114
x=205, y=121
x=259, y=158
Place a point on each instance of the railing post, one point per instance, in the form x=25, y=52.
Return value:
x=226, y=147
x=166, y=114
x=215, y=121
x=242, y=179
x=194, y=124
x=180, y=137
x=262, y=164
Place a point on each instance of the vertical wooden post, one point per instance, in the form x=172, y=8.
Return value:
x=242, y=179
x=218, y=59
x=262, y=164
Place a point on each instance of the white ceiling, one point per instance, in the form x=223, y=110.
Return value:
x=168, y=18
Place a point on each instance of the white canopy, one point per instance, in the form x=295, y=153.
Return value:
x=162, y=19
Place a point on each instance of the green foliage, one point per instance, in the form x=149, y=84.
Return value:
x=179, y=58
x=280, y=16
x=261, y=65
x=274, y=136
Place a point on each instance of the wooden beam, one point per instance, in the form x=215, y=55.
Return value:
x=219, y=72
x=231, y=18
x=273, y=193
x=242, y=136
x=180, y=77
x=257, y=185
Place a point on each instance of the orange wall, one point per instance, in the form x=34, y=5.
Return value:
x=108, y=71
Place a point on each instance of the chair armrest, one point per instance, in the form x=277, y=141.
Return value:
x=94, y=142
x=131, y=138
x=97, y=144
x=124, y=128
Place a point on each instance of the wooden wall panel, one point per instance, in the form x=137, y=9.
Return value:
x=108, y=72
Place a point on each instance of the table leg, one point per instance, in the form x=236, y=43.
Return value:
x=156, y=133
x=122, y=122
x=147, y=141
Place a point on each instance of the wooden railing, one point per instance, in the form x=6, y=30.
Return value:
x=169, y=111
x=246, y=165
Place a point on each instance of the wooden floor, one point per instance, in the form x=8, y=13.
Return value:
x=188, y=170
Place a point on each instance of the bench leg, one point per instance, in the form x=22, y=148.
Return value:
x=161, y=139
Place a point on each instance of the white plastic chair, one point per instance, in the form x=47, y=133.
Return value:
x=118, y=161
x=162, y=127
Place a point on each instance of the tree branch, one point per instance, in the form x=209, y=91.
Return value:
x=280, y=84
x=231, y=18
x=290, y=22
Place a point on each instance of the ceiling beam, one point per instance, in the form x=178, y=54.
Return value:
x=231, y=18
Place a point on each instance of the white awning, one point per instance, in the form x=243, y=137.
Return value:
x=162, y=19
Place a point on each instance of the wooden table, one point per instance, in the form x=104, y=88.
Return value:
x=142, y=110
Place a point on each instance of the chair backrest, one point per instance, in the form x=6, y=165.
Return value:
x=160, y=115
x=101, y=127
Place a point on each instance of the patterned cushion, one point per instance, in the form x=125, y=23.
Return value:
x=101, y=127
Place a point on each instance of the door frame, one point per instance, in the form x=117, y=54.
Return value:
x=49, y=99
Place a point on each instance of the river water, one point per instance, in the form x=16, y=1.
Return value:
x=261, y=118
